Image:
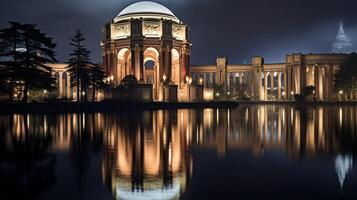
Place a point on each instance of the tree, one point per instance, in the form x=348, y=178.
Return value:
x=79, y=66
x=96, y=78
x=346, y=76
x=10, y=39
x=25, y=56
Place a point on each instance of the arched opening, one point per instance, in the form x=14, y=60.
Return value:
x=123, y=65
x=149, y=67
x=152, y=72
x=175, y=66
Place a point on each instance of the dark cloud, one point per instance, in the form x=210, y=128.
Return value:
x=237, y=29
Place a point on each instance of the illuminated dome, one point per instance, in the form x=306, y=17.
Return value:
x=145, y=9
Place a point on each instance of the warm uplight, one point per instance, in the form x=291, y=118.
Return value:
x=164, y=77
x=341, y=92
x=201, y=81
x=228, y=93
x=283, y=93
x=45, y=91
x=292, y=93
x=189, y=80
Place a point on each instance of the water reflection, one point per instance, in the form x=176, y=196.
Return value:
x=148, y=155
x=148, y=159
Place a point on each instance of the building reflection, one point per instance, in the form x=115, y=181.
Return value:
x=147, y=155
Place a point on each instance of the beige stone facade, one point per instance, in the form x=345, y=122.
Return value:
x=275, y=81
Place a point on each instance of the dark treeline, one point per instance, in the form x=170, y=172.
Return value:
x=25, y=55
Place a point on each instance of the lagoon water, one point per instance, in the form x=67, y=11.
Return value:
x=251, y=152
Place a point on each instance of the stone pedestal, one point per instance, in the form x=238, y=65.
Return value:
x=191, y=93
x=169, y=93
x=133, y=92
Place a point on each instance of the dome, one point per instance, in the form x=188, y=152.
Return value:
x=145, y=9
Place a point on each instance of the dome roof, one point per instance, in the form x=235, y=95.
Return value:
x=145, y=8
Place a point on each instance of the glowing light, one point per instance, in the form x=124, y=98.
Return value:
x=341, y=92
x=201, y=81
x=164, y=77
x=217, y=94
x=83, y=93
x=283, y=93
x=45, y=91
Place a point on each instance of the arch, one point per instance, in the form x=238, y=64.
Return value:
x=153, y=75
x=123, y=65
x=175, y=66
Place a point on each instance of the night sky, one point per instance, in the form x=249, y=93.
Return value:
x=237, y=29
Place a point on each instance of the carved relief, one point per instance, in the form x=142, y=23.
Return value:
x=120, y=31
x=178, y=32
x=151, y=29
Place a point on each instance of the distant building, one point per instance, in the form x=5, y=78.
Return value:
x=342, y=43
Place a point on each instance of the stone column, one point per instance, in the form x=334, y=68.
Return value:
x=141, y=65
x=316, y=82
x=265, y=86
x=260, y=85
x=133, y=59
x=279, y=85
x=69, y=95
x=285, y=84
x=60, y=84
x=288, y=83
x=228, y=88
x=272, y=83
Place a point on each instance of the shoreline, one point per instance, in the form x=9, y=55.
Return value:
x=114, y=107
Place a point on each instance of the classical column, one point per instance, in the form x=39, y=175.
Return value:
x=138, y=62
x=260, y=85
x=69, y=95
x=286, y=84
x=60, y=84
x=265, y=86
x=133, y=62
x=141, y=65
x=279, y=85
x=316, y=82
x=272, y=83
x=228, y=88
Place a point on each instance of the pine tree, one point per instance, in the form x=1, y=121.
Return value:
x=10, y=39
x=79, y=66
x=28, y=52
x=97, y=76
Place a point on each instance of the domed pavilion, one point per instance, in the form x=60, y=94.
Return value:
x=148, y=41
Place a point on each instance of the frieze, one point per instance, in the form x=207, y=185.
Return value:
x=120, y=31
x=152, y=29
